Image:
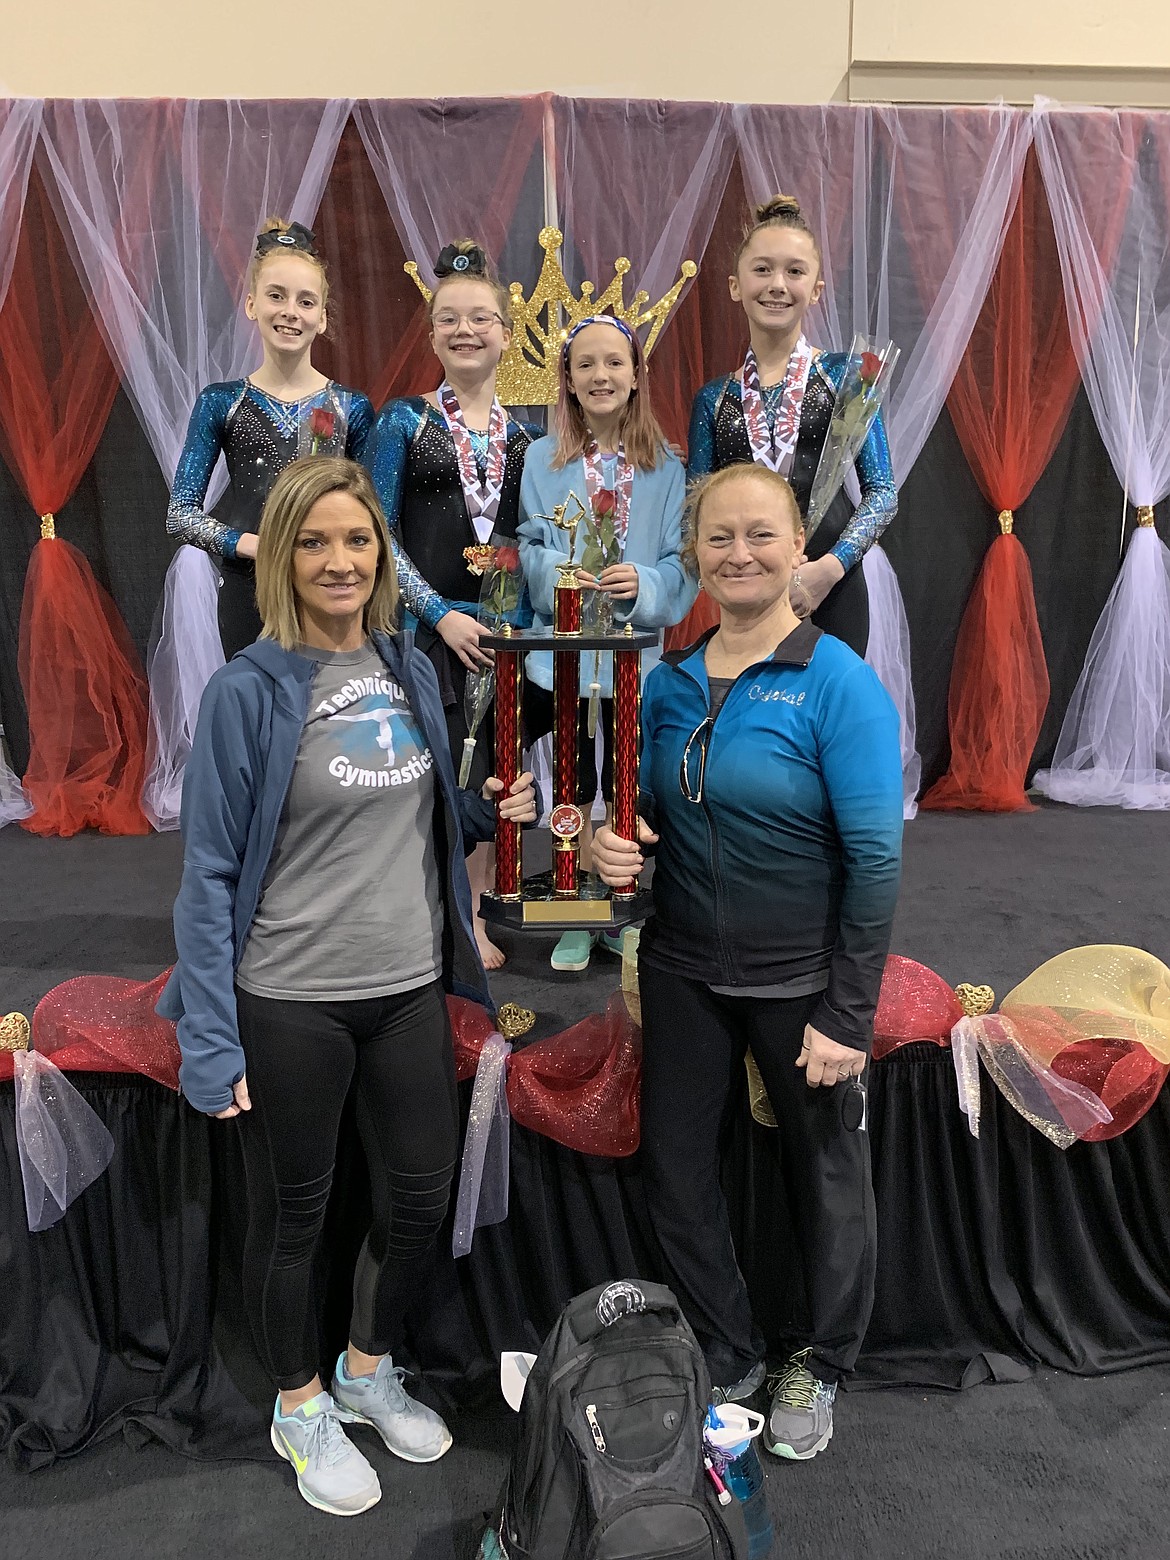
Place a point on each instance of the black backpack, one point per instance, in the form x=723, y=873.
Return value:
x=609, y=1460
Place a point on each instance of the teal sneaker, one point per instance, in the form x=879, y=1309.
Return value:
x=800, y=1421
x=410, y=1430
x=331, y=1473
x=572, y=952
x=612, y=941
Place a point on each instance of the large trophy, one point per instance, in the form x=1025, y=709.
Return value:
x=562, y=899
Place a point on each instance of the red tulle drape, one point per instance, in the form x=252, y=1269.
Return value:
x=1009, y=404
x=83, y=684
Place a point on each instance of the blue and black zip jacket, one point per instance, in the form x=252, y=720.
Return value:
x=786, y=862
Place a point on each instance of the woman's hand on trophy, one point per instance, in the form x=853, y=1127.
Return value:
x=617, y=861
x=519, y=806
x=462, y=634
x=620, y=580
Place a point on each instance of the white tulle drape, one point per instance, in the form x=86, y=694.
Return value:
x=160, y=203
x=910, y=206
x=1114, y=743
x=643, y=180
x=20, y=119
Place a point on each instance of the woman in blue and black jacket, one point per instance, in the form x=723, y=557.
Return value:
x=772, y=791
x=323, y=913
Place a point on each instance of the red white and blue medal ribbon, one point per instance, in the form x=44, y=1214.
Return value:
x=482, y=496
x=623, y=488
x=774, y=447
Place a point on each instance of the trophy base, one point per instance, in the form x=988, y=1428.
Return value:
x=539, y=910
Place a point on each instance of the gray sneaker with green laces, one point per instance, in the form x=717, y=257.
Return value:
x=410, y=1429
x=331, y=1473
x=800, y=1421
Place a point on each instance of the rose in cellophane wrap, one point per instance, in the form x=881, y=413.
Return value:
x=868, y=371
x=497, y=563
x=602, y=548
x=322, y=429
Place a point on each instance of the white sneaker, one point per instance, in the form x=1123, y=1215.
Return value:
x=331, y=1473
x=410, y=1429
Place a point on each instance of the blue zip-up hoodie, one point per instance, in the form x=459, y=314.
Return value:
x=789, y=864
x=241, y=766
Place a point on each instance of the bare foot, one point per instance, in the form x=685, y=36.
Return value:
x=493, y=958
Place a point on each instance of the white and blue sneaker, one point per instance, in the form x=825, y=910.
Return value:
x=331, y=1473
x=410, y=1430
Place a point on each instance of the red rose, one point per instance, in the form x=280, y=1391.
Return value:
x=605, y=503
x=508, y=559
x=871, y=366
x=321, y=423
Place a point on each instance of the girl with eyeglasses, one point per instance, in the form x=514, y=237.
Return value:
x=609, y=451
x=772, y=790
x=775, y=412
x=285, y=410
x=447, y=468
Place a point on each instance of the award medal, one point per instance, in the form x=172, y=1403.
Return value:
x=774, y=449
x=623, y=488
x=481, y=497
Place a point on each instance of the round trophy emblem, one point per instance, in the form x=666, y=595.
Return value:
x=566, y=821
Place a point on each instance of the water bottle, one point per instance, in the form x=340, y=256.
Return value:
x=744, y=1477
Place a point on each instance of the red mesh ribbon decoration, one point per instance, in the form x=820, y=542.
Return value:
x=1009, y=404
x=86, y=697
x=999, y=689
x=102, y=1023
x=915, y=1005
x=1123, y=1076
x=579, y=1088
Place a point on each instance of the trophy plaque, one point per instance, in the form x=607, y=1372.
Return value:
x=562, y=898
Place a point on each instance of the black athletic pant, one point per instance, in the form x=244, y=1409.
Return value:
x=301, y=1058
x=693, y=1046
x=239, y=616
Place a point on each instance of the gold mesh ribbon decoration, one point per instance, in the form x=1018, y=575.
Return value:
x=48, y=528
x=1101, y=992
x=758, y=1095
x=14, y=1032
x=540, y=323
x=1007, y=522
x=1145, y=516
x=630, y=991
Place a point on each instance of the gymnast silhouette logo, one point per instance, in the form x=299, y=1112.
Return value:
x=385, y=728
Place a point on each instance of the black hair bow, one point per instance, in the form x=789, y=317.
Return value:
x=292, y=237
x=454, y=261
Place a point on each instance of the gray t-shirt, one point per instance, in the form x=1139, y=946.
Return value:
x=351, y=904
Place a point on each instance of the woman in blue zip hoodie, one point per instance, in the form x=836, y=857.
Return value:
x=771, y=772
x=609, y=450
x=776, y=411
x=324, y=911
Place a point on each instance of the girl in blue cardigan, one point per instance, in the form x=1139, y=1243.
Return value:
x=609, y=450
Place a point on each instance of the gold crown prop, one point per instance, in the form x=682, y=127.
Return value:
x=528, y=370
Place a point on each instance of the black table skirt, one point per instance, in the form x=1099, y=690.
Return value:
x=995, y=1256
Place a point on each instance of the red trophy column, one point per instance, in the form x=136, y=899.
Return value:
x=627, y=699
x=508, y=739
x=566, y=694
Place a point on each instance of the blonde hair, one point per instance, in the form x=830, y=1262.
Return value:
x=699, y=492
x=279, y=225
x=293, y=495
x=782, y=211
x=643, y=440
x=479, y=269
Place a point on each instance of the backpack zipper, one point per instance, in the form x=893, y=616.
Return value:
x=591, y=1417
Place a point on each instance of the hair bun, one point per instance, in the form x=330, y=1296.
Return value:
x=778, y=206
x=462, y=258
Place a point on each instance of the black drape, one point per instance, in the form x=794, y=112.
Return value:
x=996, y=1255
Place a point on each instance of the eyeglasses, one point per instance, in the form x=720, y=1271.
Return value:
x=481, y=320
x=694, y=758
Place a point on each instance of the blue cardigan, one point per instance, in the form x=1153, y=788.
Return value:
x=666, y=592
x=241, y=766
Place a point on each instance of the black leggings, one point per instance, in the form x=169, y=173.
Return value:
x=539, y=710
x=239, y=616
x=693, y=1045
x=301, y=1058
